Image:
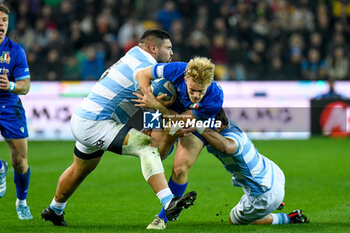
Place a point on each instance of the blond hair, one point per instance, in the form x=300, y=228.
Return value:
x=4, y=9
x=201, y=70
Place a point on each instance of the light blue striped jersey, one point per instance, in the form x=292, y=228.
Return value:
x=111, y=96
x=249, y=169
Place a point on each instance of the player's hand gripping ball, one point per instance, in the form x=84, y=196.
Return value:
x=162, y=86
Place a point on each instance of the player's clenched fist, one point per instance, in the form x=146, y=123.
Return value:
x=4, y=82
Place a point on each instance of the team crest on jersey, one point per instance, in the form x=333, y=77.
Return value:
x=5, y=57
x=194, y=106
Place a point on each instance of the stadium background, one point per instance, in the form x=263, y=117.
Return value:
x=271, y=55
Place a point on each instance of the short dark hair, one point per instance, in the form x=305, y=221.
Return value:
x=158, y=33
x=4, y=9
x=221, y=116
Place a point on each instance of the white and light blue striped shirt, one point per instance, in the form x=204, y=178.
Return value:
x=249, y=169
x=111, y=96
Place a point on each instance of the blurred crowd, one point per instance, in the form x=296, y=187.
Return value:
x=246, y=39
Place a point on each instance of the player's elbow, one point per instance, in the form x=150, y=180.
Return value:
x=23, y=87
x=25, y=91
x=230, y=147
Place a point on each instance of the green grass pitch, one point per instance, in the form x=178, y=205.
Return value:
x=115, y=197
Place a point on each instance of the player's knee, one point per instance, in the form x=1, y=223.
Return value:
x=180, y=171
x=143, y=139
x=139, y=145
x=236, y=219
x=136, y=143
x=20, y=165
x=151, y=163
x=20, y=169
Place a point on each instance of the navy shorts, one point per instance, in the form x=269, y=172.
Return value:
x=13, y=123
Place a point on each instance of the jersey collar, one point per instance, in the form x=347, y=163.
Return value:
x=149, y=56
x=4, y=42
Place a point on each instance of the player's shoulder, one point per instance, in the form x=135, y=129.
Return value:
x=233, y=131
x=172, y=70
x=13, y=45
x=215, y=87
x=176, y=65
x=140, y=55
x=214, y=93
x=16, y=51
x=180, y=63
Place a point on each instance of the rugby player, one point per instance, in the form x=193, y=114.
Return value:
x=14, y=81
x=199, y=98
x=99, y=124
x=260, y=178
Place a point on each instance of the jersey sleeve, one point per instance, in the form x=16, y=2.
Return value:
x=209, y=111
x=21, y=69
x=235, y=137
x=138, y=68
x=170, y=71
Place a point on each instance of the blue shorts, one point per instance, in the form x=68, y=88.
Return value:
x=13, y=123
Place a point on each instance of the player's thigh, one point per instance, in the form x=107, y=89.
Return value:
x=93, y=136
x=249, y=209
x=188, y=149
x=278, y=189
x=18, y=148
x=163, y=141
x=84, y=166
x=253, y=208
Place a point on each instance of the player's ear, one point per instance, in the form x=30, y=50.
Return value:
x=186, y=79
x=153, y=48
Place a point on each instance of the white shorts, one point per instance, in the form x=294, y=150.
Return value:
x=252, y=208
x=94, y=137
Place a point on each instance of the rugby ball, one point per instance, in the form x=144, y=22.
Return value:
x=162, y=86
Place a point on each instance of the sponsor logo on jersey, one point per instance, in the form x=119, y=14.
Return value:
x=100, y=143
x=4, y=71
x=5, y=57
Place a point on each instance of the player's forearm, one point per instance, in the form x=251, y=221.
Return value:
x=22, y=87
x=144, y=78
x=219, y=142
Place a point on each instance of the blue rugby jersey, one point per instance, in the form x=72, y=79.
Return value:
x=111, y=96
x=249, y=169
x=13, y=61
x=211, y=102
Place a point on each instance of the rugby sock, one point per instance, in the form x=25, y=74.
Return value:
x=165, y=197
x=162, y=215
x=21, y=202
x=178, y=190
x=1, y=166
x=280, y=218
x=22, y=184
x=58, y=207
